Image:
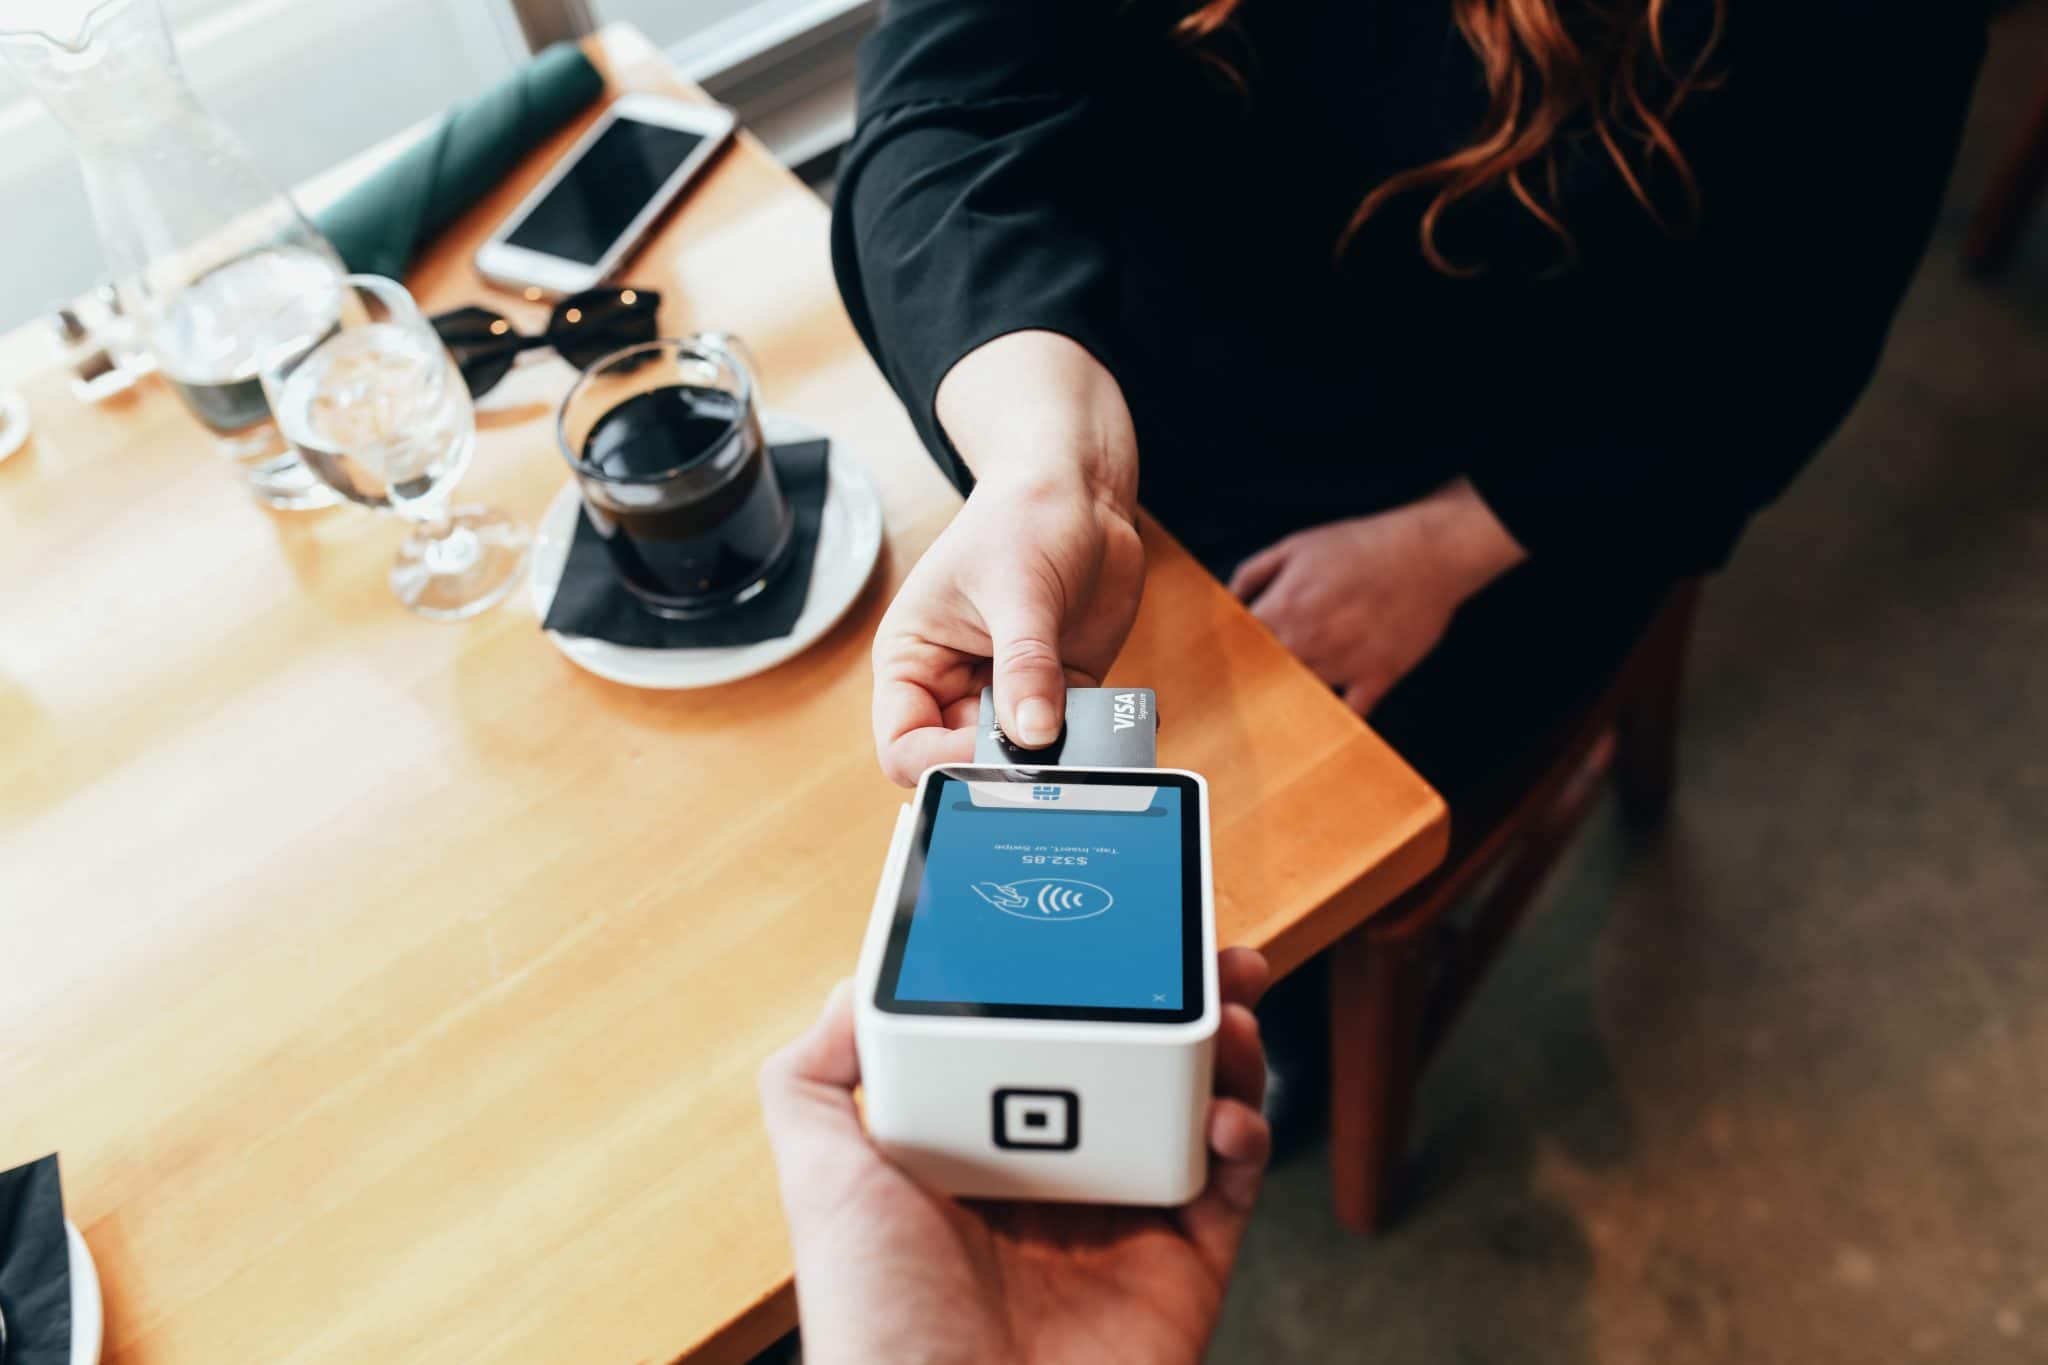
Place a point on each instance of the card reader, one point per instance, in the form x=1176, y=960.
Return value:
x=1037, y=1000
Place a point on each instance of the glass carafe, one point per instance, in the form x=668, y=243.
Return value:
x=218, y=269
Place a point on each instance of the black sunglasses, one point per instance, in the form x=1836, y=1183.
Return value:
x=584, y=329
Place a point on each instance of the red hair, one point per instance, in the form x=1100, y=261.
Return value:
x=1541, y=76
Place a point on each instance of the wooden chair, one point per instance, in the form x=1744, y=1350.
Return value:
x=1398, y=981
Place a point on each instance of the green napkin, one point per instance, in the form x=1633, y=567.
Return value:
x=381, y=225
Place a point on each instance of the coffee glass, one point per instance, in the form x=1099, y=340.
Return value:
x=665, y=441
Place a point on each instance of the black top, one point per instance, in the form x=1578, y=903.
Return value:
x=1061, y=164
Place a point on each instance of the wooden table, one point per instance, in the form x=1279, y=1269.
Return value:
x=394, y=990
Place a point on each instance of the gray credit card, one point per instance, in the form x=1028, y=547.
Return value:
x=1107, y=727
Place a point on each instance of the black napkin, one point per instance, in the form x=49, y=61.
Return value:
x=591, y=600
x=35, y=1265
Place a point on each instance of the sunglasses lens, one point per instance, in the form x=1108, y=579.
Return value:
x=589, y=326
x=471, y=327
x=484, y=345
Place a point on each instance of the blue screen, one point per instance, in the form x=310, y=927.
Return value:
x=1042, y=904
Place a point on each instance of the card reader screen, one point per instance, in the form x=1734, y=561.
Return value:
x=1058, y=895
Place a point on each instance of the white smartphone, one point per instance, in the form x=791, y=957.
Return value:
x=593, y=208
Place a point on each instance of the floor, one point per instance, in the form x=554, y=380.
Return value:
x=1774, y=1087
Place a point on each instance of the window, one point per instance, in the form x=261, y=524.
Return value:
x=786, y=65
x=306, y=84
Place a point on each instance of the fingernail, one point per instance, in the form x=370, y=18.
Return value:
x=1037, y=723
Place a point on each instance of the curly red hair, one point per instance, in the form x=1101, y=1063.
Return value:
x=1540, y=77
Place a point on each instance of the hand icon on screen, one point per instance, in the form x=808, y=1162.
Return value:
x=1001, y=897
x=1057, y=898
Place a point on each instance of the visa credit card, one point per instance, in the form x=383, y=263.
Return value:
x=1106, y=727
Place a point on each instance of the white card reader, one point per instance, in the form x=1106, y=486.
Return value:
x=1036, y=1002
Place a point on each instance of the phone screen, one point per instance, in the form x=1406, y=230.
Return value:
x=604, y=191
x=1058, y=895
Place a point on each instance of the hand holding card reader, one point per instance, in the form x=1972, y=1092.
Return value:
x=1037, y=998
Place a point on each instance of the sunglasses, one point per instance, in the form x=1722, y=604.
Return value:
x=583, y=329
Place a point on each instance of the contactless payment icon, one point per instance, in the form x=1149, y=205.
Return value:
x=1054, y=898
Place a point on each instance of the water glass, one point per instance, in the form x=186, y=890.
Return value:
x=379, y=413
x=212, y=264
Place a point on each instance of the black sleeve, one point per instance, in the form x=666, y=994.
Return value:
x=970, y=201
x=1826, y=153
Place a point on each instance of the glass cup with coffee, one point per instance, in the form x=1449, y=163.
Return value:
x=676, y=477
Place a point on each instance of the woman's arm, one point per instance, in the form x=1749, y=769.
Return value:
x=970, y=248
x=1032, y=407
x=970, y=201
x=1035, y=583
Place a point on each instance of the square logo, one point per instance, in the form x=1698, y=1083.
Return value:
x=1037, y=1120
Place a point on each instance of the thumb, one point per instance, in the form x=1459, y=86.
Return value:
x=1030, y=684
x=808, y=1083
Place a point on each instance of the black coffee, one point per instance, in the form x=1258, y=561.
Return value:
x=703, y=534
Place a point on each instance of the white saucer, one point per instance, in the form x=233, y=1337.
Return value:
x=849, y=542
x=87, y=1314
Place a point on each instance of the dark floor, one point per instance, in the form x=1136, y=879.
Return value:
x=1774, y=1088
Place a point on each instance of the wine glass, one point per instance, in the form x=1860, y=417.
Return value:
x=379, y=413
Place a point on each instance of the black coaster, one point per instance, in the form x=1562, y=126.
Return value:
x=35, y=1265
x=591, y=601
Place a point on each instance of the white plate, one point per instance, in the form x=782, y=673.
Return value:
x=87, y=1314
x=849, y=542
